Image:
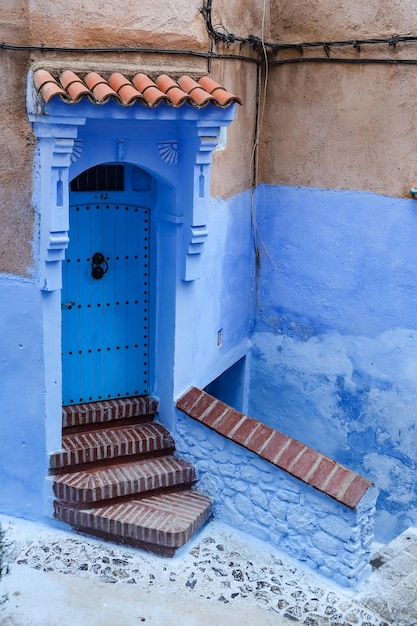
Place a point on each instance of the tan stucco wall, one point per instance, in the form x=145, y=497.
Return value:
x=107, y=23
x=321, y=20
x=232, y=170
x=174, y=24
x=16, y=145
x=342, y=126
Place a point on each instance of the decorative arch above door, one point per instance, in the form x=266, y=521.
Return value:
x=171, y=126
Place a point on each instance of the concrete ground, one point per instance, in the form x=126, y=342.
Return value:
x=67, y=600
x=222, y=577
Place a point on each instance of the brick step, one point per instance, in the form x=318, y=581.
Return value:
x=121, y=480
x=161, y=523
x=111, y=443
x=96, y=413
x=116, y=477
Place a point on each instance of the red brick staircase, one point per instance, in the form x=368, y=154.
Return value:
x=117, y=478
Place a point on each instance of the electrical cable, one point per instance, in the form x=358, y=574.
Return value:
x=254, y=161
x=121, y=49
x=258, y=43
x=219, y=33
x=392, y=41
x=369, y=61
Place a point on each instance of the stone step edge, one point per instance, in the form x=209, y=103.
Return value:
x=154, y=548
x=93, y=452
x=122, y=500
x=289, y=455
x=139, y=420
x=172, y=473
x=109, y=462
x=153, y=538
x=105, y=411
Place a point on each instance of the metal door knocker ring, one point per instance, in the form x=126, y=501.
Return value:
x=97, y=262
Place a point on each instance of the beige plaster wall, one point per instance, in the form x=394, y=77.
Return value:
x=151, y=23
x=148, y=22
x=232, y=168
x=16, y=145
x=16, y=154
x=320, y=20
x=342, y=126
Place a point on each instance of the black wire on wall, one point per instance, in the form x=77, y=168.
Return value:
x=219, y=34
x=122, y=49
x=345, y=60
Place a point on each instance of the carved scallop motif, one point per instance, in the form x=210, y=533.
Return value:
x=77, y=150
x=168, y=152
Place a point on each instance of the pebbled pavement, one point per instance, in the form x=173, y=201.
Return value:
x=222, y=577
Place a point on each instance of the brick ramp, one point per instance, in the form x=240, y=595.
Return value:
x=289, y=455
x=116, y=477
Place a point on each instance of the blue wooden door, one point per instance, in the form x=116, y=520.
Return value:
x=105, y=301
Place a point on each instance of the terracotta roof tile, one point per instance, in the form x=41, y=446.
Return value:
x=124, y=89
x=49, y=87
x=99, y=87
x=216, y=90
x=193, y=89
x=172, y=90
x=72, y=87
x=149, y=90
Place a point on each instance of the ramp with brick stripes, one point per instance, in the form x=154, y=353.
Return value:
x=289, y=455
x=116, y=477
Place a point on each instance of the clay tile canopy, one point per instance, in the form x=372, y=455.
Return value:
x=72, y=87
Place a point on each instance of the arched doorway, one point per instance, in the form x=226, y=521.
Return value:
x=174, y=144
x=106, y=285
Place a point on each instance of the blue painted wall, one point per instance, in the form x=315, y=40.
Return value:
x=23, y=460
x=334, y=351
x=220, y=300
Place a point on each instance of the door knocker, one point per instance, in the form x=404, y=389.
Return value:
x=97, y=262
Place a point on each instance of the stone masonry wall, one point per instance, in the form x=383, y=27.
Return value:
x=261, y=499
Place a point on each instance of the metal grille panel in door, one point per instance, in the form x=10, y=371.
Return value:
x=105, y=300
